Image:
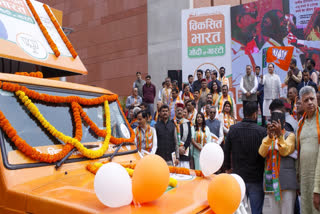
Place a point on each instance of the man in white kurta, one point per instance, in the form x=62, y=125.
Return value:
x=272, y=86
x=309, y=161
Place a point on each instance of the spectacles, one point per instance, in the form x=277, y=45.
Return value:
x=212, y=112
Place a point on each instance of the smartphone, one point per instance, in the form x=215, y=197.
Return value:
x=276, y=116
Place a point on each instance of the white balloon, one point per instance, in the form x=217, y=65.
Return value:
x=242, y=185
x=113, y=185
x=211, y=158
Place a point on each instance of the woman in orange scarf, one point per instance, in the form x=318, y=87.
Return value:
x=227, y=117
x=200, y=135
x=215, y=92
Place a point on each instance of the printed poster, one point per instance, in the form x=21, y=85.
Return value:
x=206, y=40
x=21, y=38
x=259, y=25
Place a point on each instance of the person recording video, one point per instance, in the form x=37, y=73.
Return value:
x=279, y=150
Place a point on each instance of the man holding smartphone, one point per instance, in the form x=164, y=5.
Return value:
x=279, y=150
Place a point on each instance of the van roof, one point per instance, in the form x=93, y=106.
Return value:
x=23, y=46
x=52, y=83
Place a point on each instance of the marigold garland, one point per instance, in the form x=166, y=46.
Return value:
x=26, y=148
x=37, y=74
x=66, y=139
x=60, y=31
x=43, y=29
x=130, y=169
x=13, y=87
x=78, y=122
x=185, y=171
x=173, y=169
x=101, y=132
x=76, y=109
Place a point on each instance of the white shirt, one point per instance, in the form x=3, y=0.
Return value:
x=272, y=86
x=154, y=140
x=253, y=90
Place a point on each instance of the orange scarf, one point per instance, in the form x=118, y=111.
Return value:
x=224, y=80
x=190, y=118
x=301, y=123
x=215, y=97
x=171, y=103
x=203, y=110
x=272, y=170
x=228, y=120
x=201, y=137
x=156, y=116
x=294, y=109
x=167, y=94
x=178, y=129
x=221, y=102
x=133, y=121
x=188, y=94
x=148, y=138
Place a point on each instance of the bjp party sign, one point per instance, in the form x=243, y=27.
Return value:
x=206, y=40
x=280, y=56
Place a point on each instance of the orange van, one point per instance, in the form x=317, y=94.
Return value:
x=29, y=186
x=43, y=121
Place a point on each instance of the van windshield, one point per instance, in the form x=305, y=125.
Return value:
x=58, y=115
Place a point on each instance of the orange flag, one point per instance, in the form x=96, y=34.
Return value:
x=280, y=56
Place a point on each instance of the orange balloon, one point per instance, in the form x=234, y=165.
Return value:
x=150, y=179
x=224, y=194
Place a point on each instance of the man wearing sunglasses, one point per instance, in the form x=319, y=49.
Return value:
x=215, y=126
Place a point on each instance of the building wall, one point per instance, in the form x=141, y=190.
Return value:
x=164, y=37
x=208, y=3
x=117, y=38
x=110, y=37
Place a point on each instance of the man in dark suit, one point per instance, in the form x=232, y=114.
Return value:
x=306, y=81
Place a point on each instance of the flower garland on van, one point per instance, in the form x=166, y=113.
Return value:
x=24, y=94
x=60, y=31
x=94, y=167
x=37, y=74
x=13, y=87
x=26, y=148
x=43, y=29
x=66, y=139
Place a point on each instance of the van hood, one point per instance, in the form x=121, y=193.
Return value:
x=73, y=191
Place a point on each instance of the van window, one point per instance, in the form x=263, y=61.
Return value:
x=59, y=115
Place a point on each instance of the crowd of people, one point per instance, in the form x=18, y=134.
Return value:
x=281, y=156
